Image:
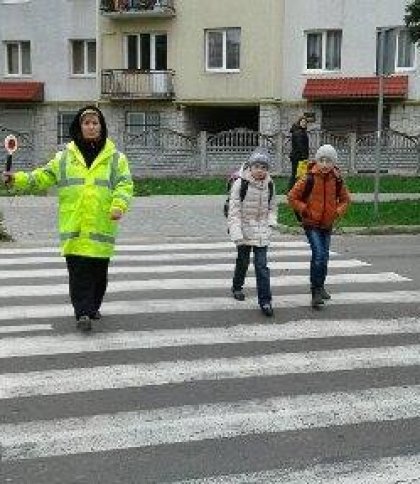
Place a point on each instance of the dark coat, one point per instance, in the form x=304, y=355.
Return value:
x=300, y=143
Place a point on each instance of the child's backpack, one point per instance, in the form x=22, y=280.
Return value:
x=244, y=188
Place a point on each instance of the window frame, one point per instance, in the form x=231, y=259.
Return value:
x=397, y=68
x=63, y=138
x=152, y=50
x=19, y=44
x=85, y=72
x=151, y=138
x=224, y=68
x=324, y=38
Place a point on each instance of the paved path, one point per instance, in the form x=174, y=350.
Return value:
x=32, y=218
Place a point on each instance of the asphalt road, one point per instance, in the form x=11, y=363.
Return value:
x=179, y=383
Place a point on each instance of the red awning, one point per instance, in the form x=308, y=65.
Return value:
x=355, y=88
x=21, y=91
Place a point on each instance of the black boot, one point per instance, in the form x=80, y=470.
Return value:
x=267, y=310
x=324, y=294
x=317, y=300
x=238, y=294
x=84, y=323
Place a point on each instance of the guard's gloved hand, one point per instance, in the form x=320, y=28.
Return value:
x=115, y=214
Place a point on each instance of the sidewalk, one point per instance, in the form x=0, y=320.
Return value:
x=33, y=219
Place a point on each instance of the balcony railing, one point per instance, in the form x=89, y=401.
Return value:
x=136, y=84
x=137, y=8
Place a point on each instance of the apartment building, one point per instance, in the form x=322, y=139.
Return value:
x=195, y=66
x=190, y=65
x=47, y=68
x=331, y=60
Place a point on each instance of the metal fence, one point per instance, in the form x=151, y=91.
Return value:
x=164, y=152
x=216, y=154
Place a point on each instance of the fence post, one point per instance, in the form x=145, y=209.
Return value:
x=278, y=149
x=353, y=144
x=202, y=147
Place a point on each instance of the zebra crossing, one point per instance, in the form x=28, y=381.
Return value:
x=177, y=363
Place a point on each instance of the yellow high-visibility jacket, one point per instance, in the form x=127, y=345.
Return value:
x=86, y=197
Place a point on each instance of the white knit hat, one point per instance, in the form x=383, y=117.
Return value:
x=261, y=156
x=326, y=151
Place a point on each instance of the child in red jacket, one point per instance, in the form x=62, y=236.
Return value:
x=319, y=207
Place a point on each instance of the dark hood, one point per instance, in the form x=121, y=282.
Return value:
x=89, y=150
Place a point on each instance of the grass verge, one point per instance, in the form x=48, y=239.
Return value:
x=362, y=215
x=217, y=185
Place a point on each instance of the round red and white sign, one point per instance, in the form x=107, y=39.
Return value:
x=10, y=143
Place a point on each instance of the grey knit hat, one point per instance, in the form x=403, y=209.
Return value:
x=326, y=151
x=261, y=156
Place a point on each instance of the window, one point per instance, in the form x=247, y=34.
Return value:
x=399, y=50
x=323, y=50
x=223, y=49
x=83, y=55
x=145, y=125
x=405, y=50
x=146, y=52
x=18, y=58
x=64, y=120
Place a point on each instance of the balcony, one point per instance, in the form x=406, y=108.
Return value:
x=126, y=9
x=125, y=84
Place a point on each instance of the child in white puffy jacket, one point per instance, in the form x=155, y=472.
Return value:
x=252, y=215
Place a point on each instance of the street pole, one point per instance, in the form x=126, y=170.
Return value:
x=379, y=125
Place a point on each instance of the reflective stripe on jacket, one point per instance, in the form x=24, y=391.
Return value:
x=86, y=197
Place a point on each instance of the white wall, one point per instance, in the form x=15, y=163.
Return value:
x=358, y=20
x=49, y=25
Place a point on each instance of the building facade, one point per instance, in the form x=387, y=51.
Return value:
x=331, y=62
x=175, y=73
x=47, y=68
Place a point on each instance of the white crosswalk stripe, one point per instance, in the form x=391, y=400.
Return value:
x=382, y=471
x=175, y=330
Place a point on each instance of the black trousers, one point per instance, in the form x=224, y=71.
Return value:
x=262, y=272
x=88, y=279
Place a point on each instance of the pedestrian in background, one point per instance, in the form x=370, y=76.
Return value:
x=94, y=190
x=300, y=148
x=251, y=217
x=320, y=198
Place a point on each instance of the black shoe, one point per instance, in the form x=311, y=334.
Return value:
x=317, y=300
x=267, y=310
x=97, y=315
x=238, y=295
x=324, y=294
x=84, y=324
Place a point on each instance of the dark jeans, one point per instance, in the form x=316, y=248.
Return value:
x=262, y=272
x=88, y=279
x=319, y=240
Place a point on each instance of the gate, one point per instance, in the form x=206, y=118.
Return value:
x=227, y=150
